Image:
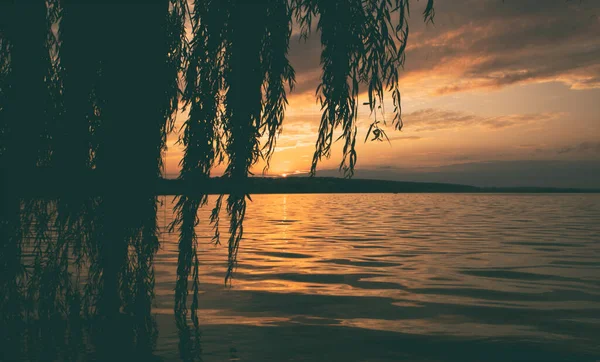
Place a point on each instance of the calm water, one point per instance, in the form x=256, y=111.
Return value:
x=418, y=277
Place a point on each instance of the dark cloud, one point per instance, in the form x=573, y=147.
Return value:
x=584, y=147
x=305, y=57
x=436, y=119
x=490, y=43
x=587, y=149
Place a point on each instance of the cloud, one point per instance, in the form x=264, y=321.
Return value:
x=528, y=146
x=581, y=150
x=435, y=119
x=584, y=147
x=296, y=133
x=405, y=138
x=490, y=44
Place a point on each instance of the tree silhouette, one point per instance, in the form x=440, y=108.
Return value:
x=237, y=73
x=89, y=92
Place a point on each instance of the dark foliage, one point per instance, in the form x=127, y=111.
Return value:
x=93, y=89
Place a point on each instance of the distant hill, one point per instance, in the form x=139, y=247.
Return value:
x=547, y=174
x=303, y=185
x=46, y=186
x=297, y=185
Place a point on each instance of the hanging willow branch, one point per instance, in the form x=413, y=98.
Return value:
x=201, y=136
x=5, y=70
x=279, y=73
x=363, y=45
x=243, y=106
x=102, y=84
x=237, y=72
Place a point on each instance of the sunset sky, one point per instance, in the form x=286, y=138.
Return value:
x=489, y=81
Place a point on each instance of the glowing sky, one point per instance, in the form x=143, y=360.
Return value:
x=489, y=81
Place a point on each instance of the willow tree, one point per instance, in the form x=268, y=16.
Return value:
x=236, y=77
x=90, y=91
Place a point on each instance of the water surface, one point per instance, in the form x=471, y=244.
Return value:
x=396, y=277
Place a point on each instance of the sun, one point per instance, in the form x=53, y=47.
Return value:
x=284, y=175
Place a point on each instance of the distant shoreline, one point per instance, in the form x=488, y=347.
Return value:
x=319, y=185
x=266, y=185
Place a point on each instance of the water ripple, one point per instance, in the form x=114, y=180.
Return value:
x=514, y=275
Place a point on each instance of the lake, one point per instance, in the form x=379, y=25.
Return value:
x=396, y=277
x=320, y=277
